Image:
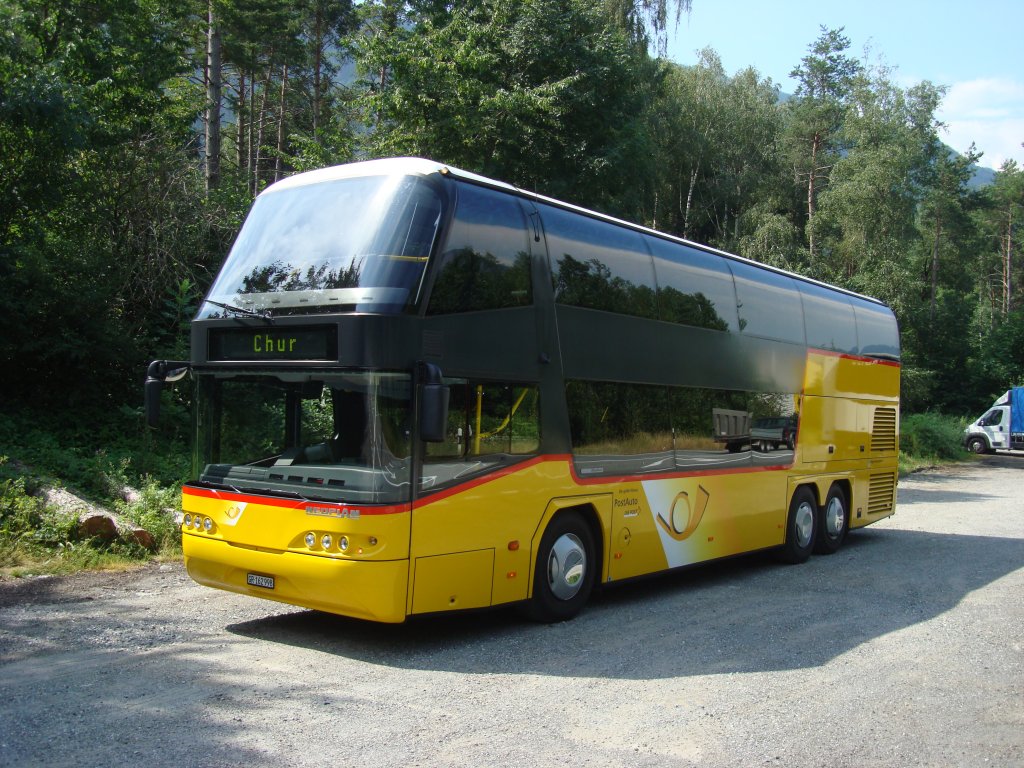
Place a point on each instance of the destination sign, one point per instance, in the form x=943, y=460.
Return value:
x=319, y=343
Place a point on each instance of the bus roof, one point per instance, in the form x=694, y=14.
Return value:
x=417, y=166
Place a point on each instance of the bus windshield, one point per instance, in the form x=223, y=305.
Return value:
x=357, y=244
x=333, y=436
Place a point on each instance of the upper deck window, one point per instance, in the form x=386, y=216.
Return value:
x=694, y=287
x=828, y=317
x=877, y=332
x=769, y=304
x=357, y=244
x=598, y=265
x=485, y=261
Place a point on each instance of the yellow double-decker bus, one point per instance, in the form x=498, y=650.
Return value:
x=420, y=390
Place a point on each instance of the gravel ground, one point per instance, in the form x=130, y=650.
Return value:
x=904, y=649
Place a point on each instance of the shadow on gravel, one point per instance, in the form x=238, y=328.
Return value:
x=943, y=488
x=744, y=615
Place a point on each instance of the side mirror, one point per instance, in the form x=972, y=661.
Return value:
x=433, y=395
x=159, y=372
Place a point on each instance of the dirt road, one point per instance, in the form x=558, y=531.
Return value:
x=906, y=648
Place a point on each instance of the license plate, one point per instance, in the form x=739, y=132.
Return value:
x=255, y=580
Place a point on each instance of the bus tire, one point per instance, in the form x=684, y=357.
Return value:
x=834, y=521
x=801, y=526
x=566, y=564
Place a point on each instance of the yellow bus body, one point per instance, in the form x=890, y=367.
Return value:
x=475, y=545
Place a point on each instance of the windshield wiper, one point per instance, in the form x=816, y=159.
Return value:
x=264, y=315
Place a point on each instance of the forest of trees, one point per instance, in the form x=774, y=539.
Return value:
x=135, y=133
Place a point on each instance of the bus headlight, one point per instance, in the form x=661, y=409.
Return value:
x=326, y=541
x=343, y=543
x=187, y=522
x=310, y=539
x=208, y=524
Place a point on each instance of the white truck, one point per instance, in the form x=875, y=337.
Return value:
x=1002, y=426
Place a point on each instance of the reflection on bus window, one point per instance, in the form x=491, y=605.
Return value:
x=329, y=436
x=629, y=429
x=694, y=287
x=598, y=265
x=359, y=243
x=485, y=260
x=488, y=423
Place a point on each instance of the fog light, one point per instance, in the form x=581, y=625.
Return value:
x=343, y=543
x=188, y=521
x=310, y=540
x=326, y=541
x=208, y=524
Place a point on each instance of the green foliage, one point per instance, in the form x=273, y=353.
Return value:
x=543, y=94
x=155, y=510
x=932, y=436
x=28, y=527
x=97, y=453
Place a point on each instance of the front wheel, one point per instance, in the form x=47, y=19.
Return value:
x=801, y=527
x=564, y=576
x=978, y=445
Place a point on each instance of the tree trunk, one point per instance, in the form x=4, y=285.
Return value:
x=261, y=119
x=250, y=150
x=815, y=144
x=318, y=51
x=241, y=153
x=280, y=123
x=689, y=200
x=935, y=268
x=213, y=93
x=1008, y=264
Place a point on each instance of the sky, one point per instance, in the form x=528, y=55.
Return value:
x=975, y=50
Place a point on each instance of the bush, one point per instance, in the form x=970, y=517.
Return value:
x=932, y=436
x=29, y=529
x=155, y=510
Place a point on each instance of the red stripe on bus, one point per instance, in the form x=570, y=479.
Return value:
x=486, y=478
x=858, y=358
x=271, y=501
x=587, y=481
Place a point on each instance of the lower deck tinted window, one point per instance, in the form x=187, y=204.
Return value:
x=630, y=429
x=489, y=418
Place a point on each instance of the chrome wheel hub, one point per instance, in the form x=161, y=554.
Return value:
x=567, y=566
x=835, y=518
x=804, y=524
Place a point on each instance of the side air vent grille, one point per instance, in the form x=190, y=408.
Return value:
x=881, y=493
x=883, y=431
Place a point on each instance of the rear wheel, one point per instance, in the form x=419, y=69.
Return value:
x=801, y=527
x=833, y=523
x=564, y=576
